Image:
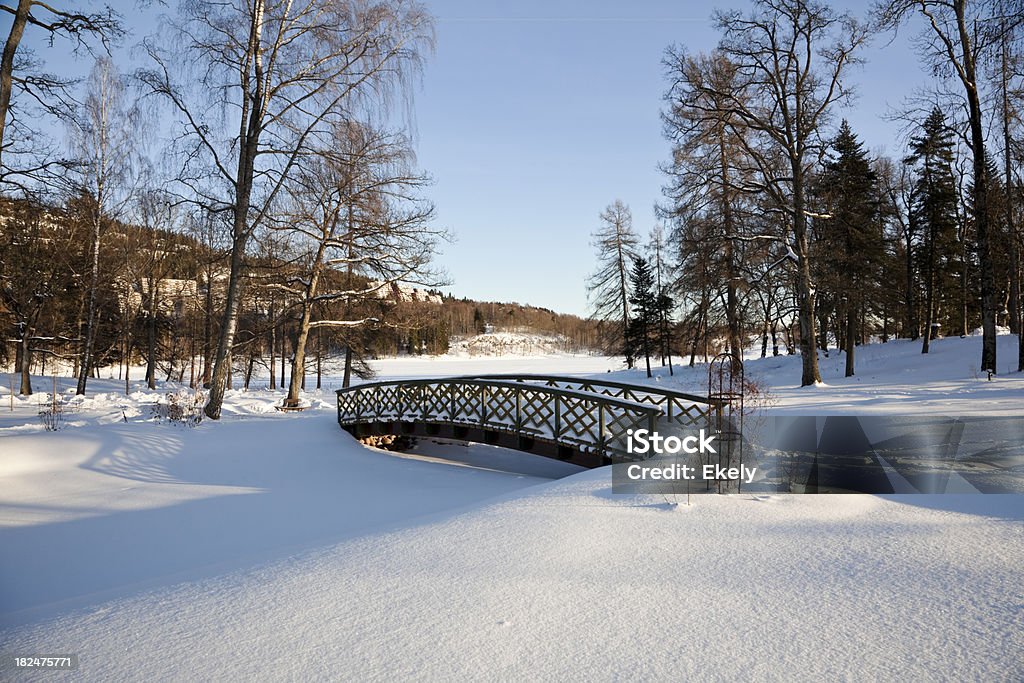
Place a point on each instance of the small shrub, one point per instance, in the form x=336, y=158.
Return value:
x=51, y=413
x=182, y=407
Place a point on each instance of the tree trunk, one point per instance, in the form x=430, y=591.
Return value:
x=912, y=326
x=851, y=332
x=929, y=295
x=981, y=207
x=208, y=329
x=7, y=62
x=151, y=338
x=804, y=285
x=25, y=356
x=1016, y=321
x=273, y=349
x=229, y=324
x=346, y=381
x=90, y=322
x=299, y=356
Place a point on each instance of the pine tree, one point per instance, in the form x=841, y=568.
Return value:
x=642, y=331
x=849, y=241
x=934, y=211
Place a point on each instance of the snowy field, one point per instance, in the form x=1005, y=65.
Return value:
x=274, y=546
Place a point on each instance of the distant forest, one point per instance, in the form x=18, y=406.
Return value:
x=173, y=331
x=781, y=231
x=229, y=202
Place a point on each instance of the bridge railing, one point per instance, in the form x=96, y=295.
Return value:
x=586, y=420
x=679, y=409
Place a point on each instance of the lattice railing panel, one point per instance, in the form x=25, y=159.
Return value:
x=581, y=421
x=595, y=421
x=501, y=407
x=538, y=412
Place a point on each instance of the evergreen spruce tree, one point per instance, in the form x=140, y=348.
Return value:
x=642, y=331
x=849, y=241
x=934, y=211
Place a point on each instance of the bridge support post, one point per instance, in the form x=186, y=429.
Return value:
x=519, y=412
x=558, y=416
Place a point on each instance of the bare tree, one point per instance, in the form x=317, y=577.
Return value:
x=19, y=73
x=656, y=246
x=357, y=211
x=285, y=73
x=608, y=288
x=709, y=168
x=791, y=58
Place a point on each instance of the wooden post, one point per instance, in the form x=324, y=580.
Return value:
x=519, y=412
x=558, y=416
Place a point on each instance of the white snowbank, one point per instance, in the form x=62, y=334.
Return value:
x=560, y=582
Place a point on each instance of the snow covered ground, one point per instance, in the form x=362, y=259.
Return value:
x=274, y=546
x=891, y=379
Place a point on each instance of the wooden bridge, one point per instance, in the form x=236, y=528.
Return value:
x=582, y=421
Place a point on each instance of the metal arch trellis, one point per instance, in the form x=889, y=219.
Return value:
x=726, y=390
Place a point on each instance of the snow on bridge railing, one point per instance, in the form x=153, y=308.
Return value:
x=679, y=409
x=582, y=419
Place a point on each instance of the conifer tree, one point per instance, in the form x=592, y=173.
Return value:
x=934, y=212
x=642, y=331
x=849, y=241
x=608, y=287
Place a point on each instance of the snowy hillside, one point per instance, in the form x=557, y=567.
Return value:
x=509, y=344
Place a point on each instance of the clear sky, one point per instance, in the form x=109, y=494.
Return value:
x=536, y=115
x=532, y=116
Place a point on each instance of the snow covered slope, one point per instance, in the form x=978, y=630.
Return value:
x=565, y=582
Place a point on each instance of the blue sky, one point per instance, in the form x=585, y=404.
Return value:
x=536, y=115
x=533, y=116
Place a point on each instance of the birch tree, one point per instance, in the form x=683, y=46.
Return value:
x=104, y=139
x=270, y=81
x=26, y=89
